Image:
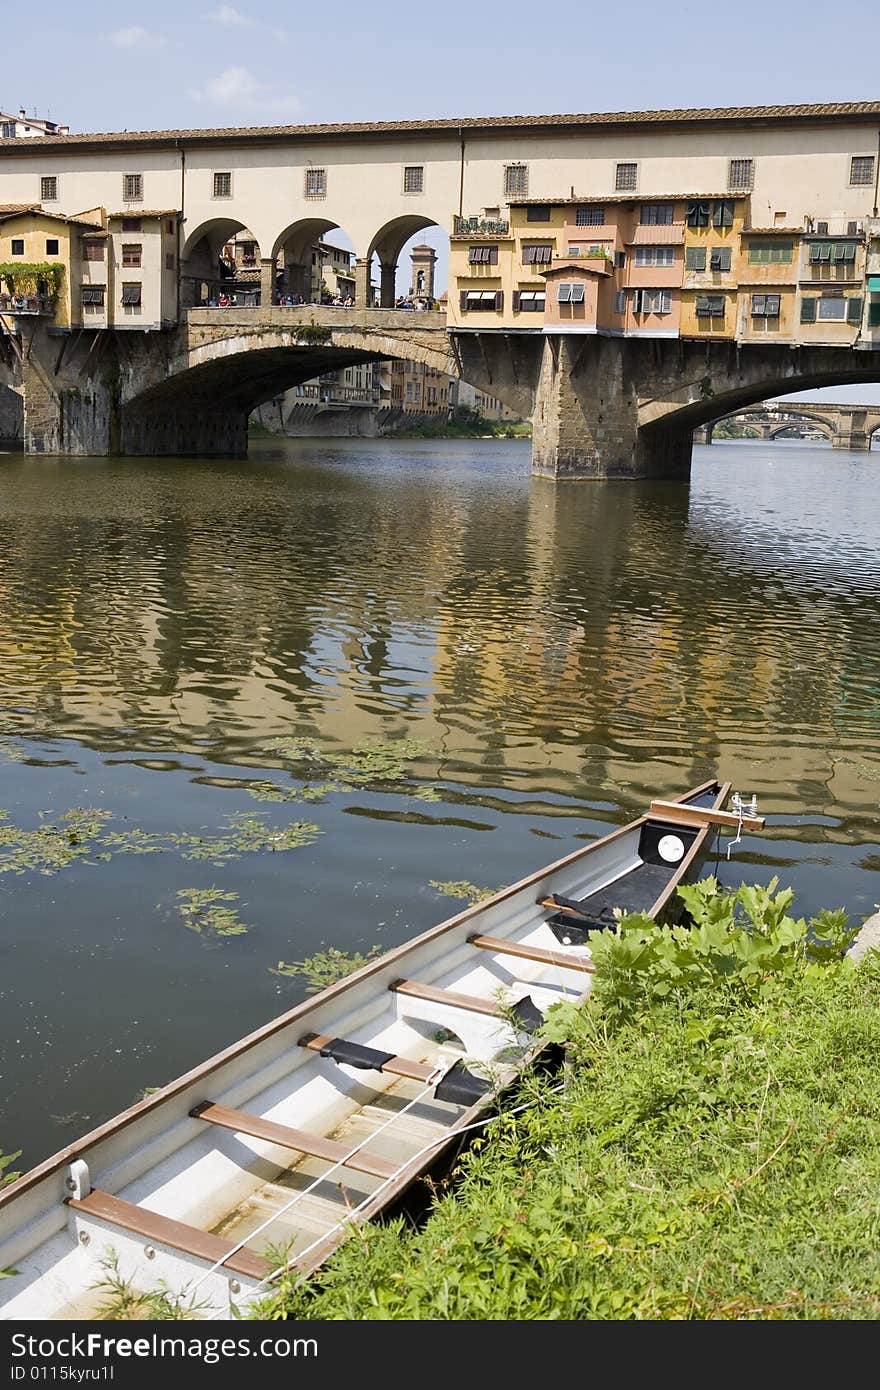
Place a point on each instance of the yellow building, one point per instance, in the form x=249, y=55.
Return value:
x=39, y=261
x=714, y=224
x=768, y=283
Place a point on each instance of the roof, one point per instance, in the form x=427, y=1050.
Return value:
x=631, y=197
x=9, y=210
x=145, y=212
x=773, y=231
x=838, y=111
x=591, y=265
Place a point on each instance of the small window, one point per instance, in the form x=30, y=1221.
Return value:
x=832, y=309
x=531, y=302
x=483, y=255
x=538, y=214
x=169, y=260
x=51, y=246
x=590, y=217
x=131, y=295
x=741, y=174
x=316, y=183
x=656, y=214
x=655, y=255
x=710, y=306
x=132, y=188
x=92, y=250
x=722, y=213
x=483, y=300
x=695, y=258
x=131, y=224
x=563, y=294
x=719, y=258
x=619, y=301
x=861, y=170
x=7, y=131
x=223, y=185
x=697, y=214
x=626, y=177
x=516, y=180
x=808, y=310
x=48, y=189
x=414, y=178
x=18, y=246
x=93, y=294
x=537, y=255
x=618, y=260
x=765, y=306
x=131, y=254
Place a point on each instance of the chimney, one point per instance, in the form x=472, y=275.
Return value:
x=22, y=113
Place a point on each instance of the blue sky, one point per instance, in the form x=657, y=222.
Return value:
x=188, y=64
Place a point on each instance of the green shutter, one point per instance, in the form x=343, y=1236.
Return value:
x=854, y=309
x=808, y=311
x=874, y=315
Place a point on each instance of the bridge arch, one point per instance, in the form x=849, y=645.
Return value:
x=202, y=271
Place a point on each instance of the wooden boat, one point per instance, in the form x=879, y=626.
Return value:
x=325, y=1115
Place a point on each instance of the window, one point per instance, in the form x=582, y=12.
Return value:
x=626, y=177
x=655, y=255
x=51, y=246
x=131, y=254
x=483, y=255
x=695, y=258
x=531, y=302
x=874, y=314
x=18, y=246
x=92, y=250
x=222, y=185
x=719, y=258
x=316, y=183
x=131, y=224
x=808, y=310
x=770, y=252
x=131, y=295
x=832, y=251
x=656, y=214
x=571, y=294
x=722, y=214
x=590, y=217
x=516, y=180
x=169, y=227
x=8, y=130
x=619, y=301
x=93, y=294
x=169, y=260
x=710, y=306
x=832, y=308
x=48, y=189
x=652, y=301
x=697, y=215
x=484, y=300
x=741, y=174
x=861, y=169
x=765, y=306
x=414, y=178
x=537, y=255
x=132, y=188
x=538, y=214
x=618, y=260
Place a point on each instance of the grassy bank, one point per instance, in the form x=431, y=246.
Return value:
x=711, y=1149
x=467, y=429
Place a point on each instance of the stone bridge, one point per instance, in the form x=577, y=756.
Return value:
x=848, y=427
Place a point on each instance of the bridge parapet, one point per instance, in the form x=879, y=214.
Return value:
x=321, y=315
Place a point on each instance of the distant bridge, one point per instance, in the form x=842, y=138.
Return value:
x=848, y=427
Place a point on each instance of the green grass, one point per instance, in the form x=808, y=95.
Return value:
x=711, y=1150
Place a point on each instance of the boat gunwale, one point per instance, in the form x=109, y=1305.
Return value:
x=174, y=1088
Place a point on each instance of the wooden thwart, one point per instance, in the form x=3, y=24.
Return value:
x=535, y=953
x=679, y=814
x=176, y=1234
x=433, y=995
x=397, y=1066
x=313, y=1144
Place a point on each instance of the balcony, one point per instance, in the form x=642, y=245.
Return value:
x=27, y=304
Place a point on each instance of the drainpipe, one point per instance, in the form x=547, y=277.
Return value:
x=461, y=174
x=181, y=218
x=876, y=174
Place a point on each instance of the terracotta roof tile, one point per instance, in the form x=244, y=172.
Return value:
x=839, y=110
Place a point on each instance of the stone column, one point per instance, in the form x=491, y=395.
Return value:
x=856, y=441
x=267, y=283
x=586, y=420
x=362, y=292
x=703, y=435
x=387, y=280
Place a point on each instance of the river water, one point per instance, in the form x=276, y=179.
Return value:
x=553, y=656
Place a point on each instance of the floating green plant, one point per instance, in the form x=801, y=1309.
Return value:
x=367, y=762
x=205, y=911
x=325, y=967
x=51, y=847
x=270, y=791
x=428, y=794
x=5, y=1160
x=460, y=888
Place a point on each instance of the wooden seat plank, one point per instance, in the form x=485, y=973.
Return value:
x=447, y=996
x=164, y=1230
x=397, y=1066
x=313, y=1144
x=536, y=953
x=675, y=813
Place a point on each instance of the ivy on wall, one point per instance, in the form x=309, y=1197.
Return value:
x=23, y=277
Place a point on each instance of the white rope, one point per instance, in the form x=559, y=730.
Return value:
x=350, y=1217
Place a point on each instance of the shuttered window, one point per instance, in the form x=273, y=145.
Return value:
x=719, y=258
x=874, y=314
x=131, y=254
x=697, y=214
x=722, y=215
x=131, y=295
x=836, y=251
x=710, y=306
x=529, y=301
x=808, y=310
x=93, y=250
x=538, y=213
x=483, y=300
x=590, y=217
x=695, y=258
x=571, y=294
x=537, y=255
x=93, y=294
x=765, y=306
x=854, y=309
x=619, y=301
x=131, y=224
x=655, y=255
x=770, y=252
x=483, y=255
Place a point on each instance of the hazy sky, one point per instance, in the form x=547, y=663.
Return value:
x=261, y=62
